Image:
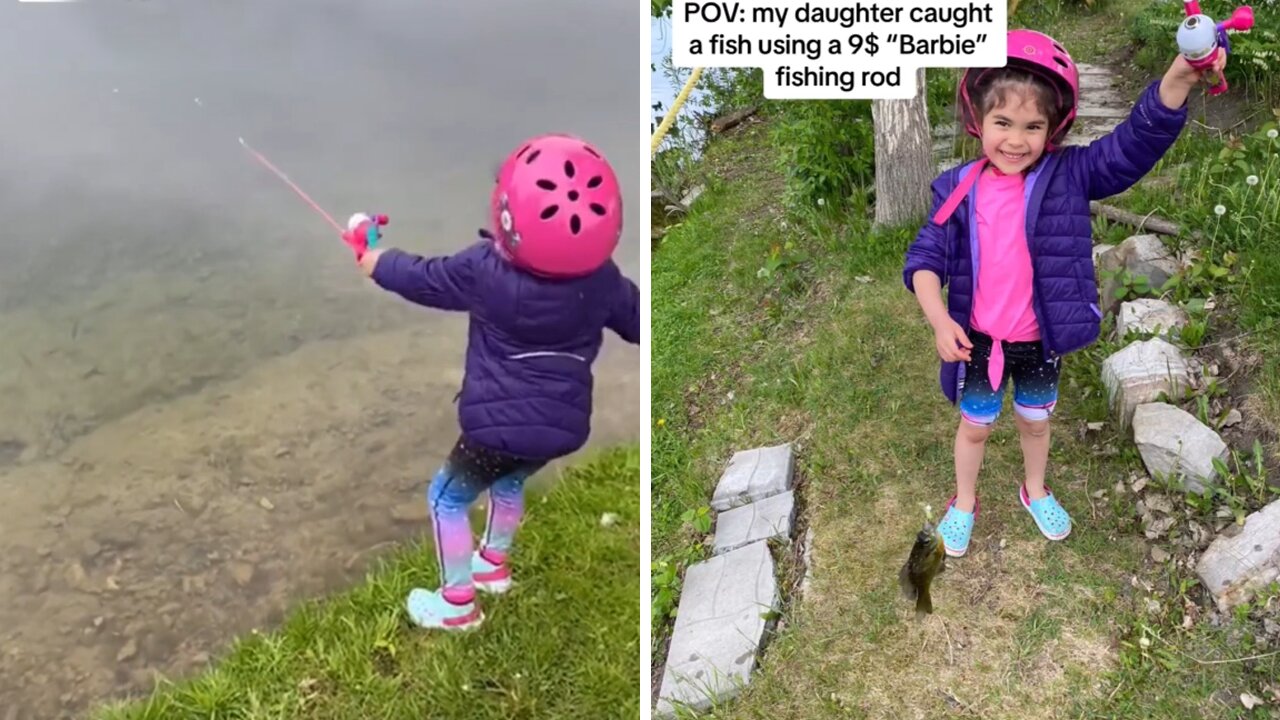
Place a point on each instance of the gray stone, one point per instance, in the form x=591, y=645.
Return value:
x=1174, y=443
x=1232, y=568
x=1087, y=69
x=1149, y=316
x=1100, y=250
x=1142, y=255
x=719, y=627
x=754, y=475
x=1141, y=371
x=1101, y=111
x=760, y=520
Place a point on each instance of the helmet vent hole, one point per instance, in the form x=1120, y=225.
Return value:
x=523, y=150
x=597, y=208
x=568, y=169
x=591, y=150
x=575, y=224
x=532, y=156
x=549, y=212
x=546, y=185
x=1059, y=48
x=1061, y=63
x=594, y=182
x=573, y=195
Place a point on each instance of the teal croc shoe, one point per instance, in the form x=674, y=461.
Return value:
x=1052, y=520
x=956, y=526
x=429, y=609
x=488, y=577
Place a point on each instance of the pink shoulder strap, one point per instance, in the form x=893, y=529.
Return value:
x=957, y=195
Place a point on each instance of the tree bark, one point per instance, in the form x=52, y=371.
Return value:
x=904, y=157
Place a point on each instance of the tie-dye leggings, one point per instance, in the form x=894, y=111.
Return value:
x=469, y=471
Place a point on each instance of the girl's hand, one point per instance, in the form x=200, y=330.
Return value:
x=1181, y=71
x=369, y=260
x=1181, y=77
x=946, y=338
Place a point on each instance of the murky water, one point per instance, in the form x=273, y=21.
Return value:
x=207, y=413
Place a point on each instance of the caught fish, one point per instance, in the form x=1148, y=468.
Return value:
x=928, y=558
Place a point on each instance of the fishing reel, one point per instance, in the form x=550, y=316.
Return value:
x=1200, y=40
x=363, y=232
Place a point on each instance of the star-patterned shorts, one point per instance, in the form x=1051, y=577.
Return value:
x=1035, y=382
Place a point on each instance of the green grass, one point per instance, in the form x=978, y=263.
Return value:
x=807, y=352
x=564, y=642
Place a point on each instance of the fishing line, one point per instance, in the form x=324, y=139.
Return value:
x=262, y=159
x=267, y=163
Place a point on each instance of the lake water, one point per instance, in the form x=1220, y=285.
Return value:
x=208, y=413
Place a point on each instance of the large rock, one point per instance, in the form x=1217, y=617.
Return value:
x=754, y=475
x=719, y=627
x=761, y=520
x=1141, y=371
x=1234, y=567
x=1174, y=443
x=1140, y=255
x=1149, y=316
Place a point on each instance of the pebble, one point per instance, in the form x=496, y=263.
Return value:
x=1158, y=554
x=242, y=573
x=129, y=650
x=410, y=512
x=266, y=504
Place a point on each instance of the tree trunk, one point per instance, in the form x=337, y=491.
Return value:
x=904, y=157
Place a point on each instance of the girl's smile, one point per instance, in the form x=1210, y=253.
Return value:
x=1014, y=135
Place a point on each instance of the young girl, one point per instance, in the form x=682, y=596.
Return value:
x=540, y=288
x=1010, y=236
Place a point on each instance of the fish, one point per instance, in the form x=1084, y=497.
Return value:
x=928, y=558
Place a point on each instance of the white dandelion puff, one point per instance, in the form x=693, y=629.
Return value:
x=1252, y=180
x=1273, y=133
x=1219, y=210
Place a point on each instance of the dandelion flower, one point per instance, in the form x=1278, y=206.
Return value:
x=662, y=421
x=821, y=202
x=1252, y=180
x=1273, y=133
x=1219, y=210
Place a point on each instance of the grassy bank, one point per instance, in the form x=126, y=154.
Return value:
x=778, y=326
x=563, y=643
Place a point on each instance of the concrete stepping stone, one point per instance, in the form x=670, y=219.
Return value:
x=1141, y=371
x=719, y=627
x=1174, y=443
x=754, y=475
x=1095, y=81
x=1149, y=316
x=760, y=520
x=1232, y=568
x=1102, y=111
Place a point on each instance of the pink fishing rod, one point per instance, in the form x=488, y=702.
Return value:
x=378, y=219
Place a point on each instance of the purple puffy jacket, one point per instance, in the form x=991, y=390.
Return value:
x=528, y=384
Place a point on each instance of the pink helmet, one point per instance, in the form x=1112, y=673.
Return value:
x=1039, y=54
x=556, y=208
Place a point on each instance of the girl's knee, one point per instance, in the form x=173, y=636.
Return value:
x=974, y=433
x=1033, y=428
